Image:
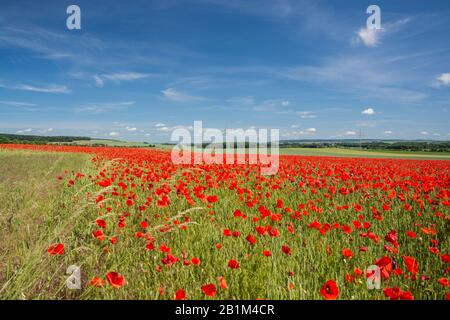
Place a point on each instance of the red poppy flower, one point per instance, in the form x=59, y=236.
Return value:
x=444, y=282
x=144, y=224
x=445, y=258
x=212, y=199
x=233, y=264
x=209, y=289
x=397, y=294
x=236, y=234
x=267, y=253
x=347, y=253
x=222, y=282
x=99, y=235
x=169, y=260
x=56, y=249
x=104, y=183
x=251, y=239
x=330, y=290
x=411, y=264
x=97, y=282
x=195, y=261
x=101, y=223
x=286, y=250
x=392, y=238
x=115, y=279
x=180, y=294
x=385, y=265
x=411, y=234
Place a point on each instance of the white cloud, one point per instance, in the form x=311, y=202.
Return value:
x=46, y=89
x=368, y=111
x=18, y=104
x=178, y=96
x=370, y=37
x=101, y=79
x=307, y=115
x=388, y=132
x=114, y=134
x=164, y=129
x=424, y=133
x=24, y=131
x=131, y=128
x=444, y=79
x=294, y=126
x=160, y=125
x=311, y=130
x=98, y=81
x=98, y=108
x=350, y=133
x=285, y=103
x=124, y=76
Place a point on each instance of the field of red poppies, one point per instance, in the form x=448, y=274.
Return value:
x=140, y=227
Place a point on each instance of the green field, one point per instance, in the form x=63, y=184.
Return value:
x=110, y=143
x=337, y=152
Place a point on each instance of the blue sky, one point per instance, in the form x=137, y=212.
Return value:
x=138, y=69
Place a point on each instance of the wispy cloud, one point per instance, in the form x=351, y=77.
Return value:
x=307, y=115
x=98, y=108
x=18, y=104
x=123, y=76
x=178, y=96
x=47, y=89
x=117, y=78
x=372, y=37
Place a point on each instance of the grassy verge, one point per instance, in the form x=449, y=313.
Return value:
x=32, y=205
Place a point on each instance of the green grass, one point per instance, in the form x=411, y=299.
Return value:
x=32, y=204
x=338, y=152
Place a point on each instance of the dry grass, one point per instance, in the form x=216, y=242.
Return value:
x=28, y=190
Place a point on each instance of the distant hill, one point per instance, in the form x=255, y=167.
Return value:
x=32, y=139
x=371, y=144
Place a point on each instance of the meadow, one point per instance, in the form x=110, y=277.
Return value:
x=140, y=227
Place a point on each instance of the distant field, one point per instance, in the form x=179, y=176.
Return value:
x=337, y=152
x=112, y=143
x=330, y=152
